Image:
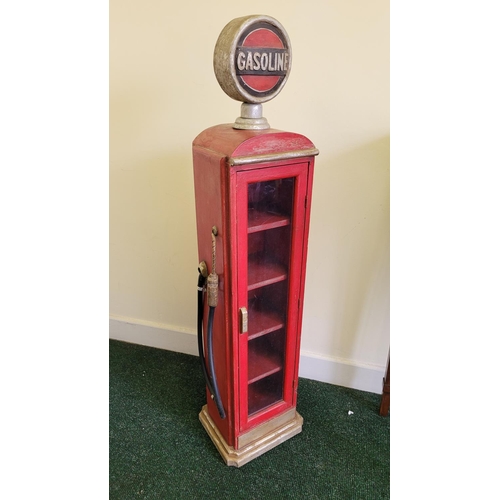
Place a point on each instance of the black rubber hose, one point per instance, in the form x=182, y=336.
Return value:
x=201, y=284
x=210, y=355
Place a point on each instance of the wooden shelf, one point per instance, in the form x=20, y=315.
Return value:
x=261, y=221
x=264, y=393
x=260, y=400
x=262, y=273
x=263, y=322
x=261, y=364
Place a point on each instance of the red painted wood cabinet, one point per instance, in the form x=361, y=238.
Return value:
x=254, y=187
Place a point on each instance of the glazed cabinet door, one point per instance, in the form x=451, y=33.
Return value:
x=270, y=238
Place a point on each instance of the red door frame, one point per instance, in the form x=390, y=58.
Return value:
x=300, y=221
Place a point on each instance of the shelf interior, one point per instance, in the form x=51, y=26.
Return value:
x=265, y=392
x=262, y=271
x=269, y=240
x=263, y=322
x=262, y=364
x=261, y=220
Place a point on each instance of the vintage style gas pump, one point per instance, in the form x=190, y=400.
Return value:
x=253, y=197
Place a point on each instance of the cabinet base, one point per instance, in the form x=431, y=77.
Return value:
x=257, y=441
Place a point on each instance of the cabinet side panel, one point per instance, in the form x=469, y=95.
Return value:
x=307, y=219
x=209, y=200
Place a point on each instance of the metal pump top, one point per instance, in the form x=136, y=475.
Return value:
x=251, y=118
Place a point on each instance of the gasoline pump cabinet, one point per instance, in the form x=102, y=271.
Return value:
x=253, y=197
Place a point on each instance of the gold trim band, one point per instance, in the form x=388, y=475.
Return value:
x=235, y=161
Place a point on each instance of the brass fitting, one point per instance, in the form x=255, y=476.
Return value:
x=212, y=289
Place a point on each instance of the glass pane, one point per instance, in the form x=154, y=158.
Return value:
x=269, y=231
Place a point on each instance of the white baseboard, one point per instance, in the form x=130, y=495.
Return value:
x=171, y=338
x=336, y=371
x=339, y=371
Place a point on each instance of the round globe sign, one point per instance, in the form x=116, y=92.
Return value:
x=252, y=58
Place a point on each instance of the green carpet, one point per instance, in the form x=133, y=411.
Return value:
x=158, y=449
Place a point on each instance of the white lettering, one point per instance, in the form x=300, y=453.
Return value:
x=279, y=61
x=249, y=62
x=256, y=61
x=241, y=61
x=271, y=67
x=264, y=61
x=252, y=60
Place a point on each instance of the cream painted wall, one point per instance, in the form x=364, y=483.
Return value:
x=163, y=93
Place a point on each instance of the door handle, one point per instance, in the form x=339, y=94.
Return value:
x=243, y=320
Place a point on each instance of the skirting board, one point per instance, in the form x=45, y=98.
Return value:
x=312, y=366
x=153, y=335
x=342, y=372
